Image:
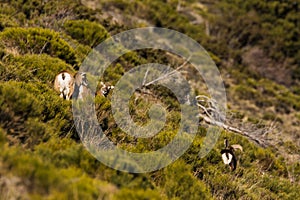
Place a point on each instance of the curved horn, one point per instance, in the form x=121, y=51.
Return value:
x=237, y=146
x=226, y=143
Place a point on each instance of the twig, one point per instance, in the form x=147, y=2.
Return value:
x=43, y=48
x=167, y=74
x=145, y=77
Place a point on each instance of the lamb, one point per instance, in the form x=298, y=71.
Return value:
x=105, y=89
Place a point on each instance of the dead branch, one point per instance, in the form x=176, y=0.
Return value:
x=165, y=75
x=211, y=115
x=145, y=77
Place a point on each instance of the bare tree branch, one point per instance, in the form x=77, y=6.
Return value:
x=167, y=74
x=211, y=115
x=145, y=77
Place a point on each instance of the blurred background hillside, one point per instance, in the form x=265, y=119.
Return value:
x=255, y=45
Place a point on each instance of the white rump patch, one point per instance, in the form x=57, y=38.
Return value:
x=226, y=157
x=64, y=83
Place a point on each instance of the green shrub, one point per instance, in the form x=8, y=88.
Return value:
x=129, y=194
x=5, y=21
x=86, y=32
x=19, y=100
x=113, y=73
x=282, y=188
x=180, y=184
x=37, y=41
x=246, y=92
x=32, y=67
x=45, y=180
x=36, y=9
x=33, y=112
x=65, y=153
x=2, y=136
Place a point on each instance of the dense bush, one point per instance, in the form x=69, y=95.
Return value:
x=180, y=184
x=52, y=182
x=5, y=21
x=33, y=67
x=37, y=41
x=128, y=194
x=35, y=9
x=31, y=113
x=86, y=32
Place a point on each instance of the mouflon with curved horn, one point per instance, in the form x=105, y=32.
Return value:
x=81, y=85
x=228, y=155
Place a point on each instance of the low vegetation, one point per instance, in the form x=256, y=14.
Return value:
x=42, y=156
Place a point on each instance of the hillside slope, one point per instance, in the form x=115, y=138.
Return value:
x=255, y=46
